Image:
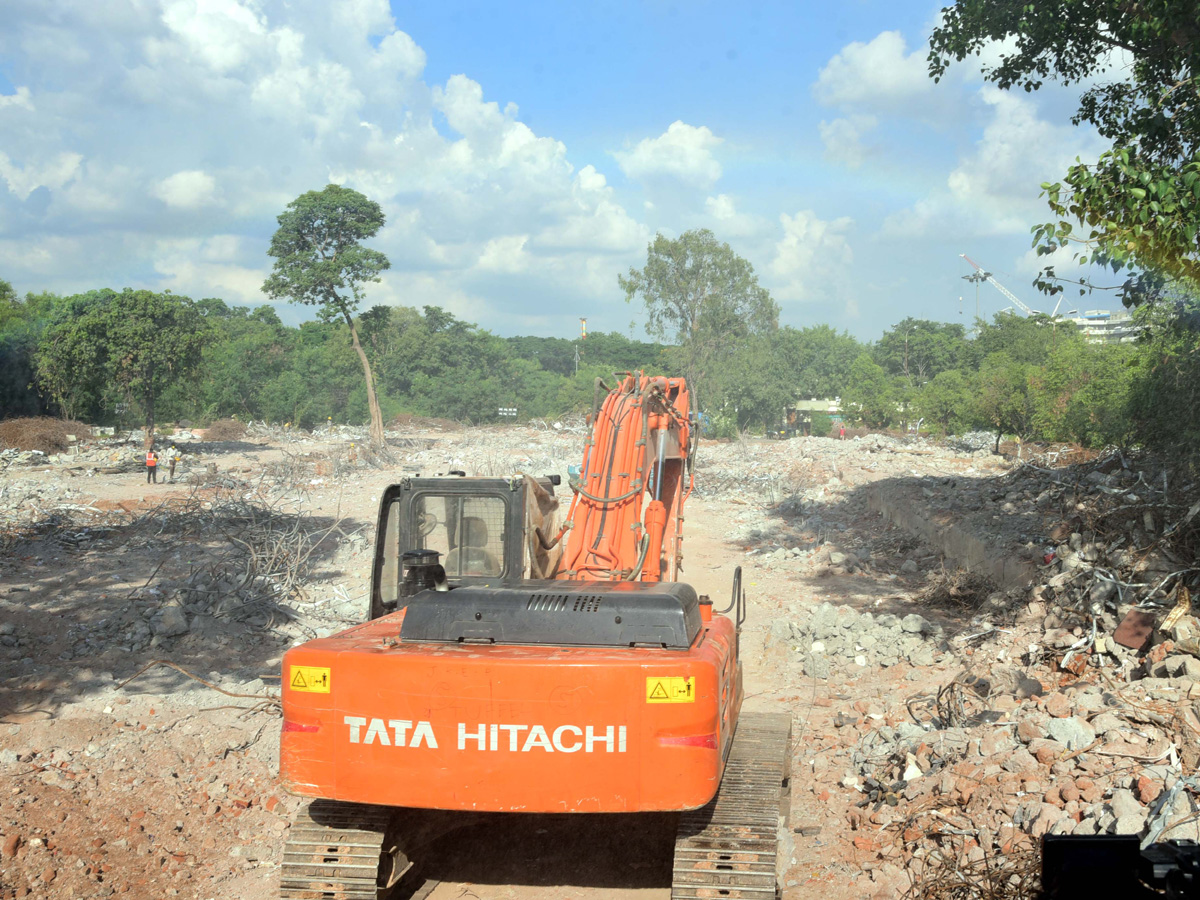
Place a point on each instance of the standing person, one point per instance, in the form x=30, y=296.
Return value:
x=173, y=456
x=842, y=432
x=151, y=466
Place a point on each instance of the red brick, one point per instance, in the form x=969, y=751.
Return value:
x=1159, y=652
x=1058, y=705
x=1148, y=789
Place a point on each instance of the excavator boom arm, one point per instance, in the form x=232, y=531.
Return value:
x=626, y=517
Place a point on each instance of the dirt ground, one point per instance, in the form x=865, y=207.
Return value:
x=165, y=785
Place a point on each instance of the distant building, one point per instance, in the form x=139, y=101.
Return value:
x=1100, y=326
x=830, y=407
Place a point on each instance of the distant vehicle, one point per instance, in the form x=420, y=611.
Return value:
x=794, y=422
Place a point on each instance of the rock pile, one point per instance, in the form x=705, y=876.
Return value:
x=838, y=637
x=1078, y=760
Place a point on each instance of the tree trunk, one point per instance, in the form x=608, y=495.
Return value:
x=149, y=441
x=372, y=400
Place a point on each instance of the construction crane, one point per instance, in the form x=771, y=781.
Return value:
x=983, y=275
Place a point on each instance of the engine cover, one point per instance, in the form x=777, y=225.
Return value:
x=558, y=613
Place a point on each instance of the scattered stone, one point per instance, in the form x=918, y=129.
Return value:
x=1074, y=733
x=1058, y=705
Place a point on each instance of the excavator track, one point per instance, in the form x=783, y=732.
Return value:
x=340, y=851
x=356, y=851
x=727, y=848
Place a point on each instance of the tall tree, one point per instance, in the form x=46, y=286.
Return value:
x=919, y=349
x=320, y=261
x=1139, y=203
x=946, y=401
x=702, y=296
x=137, y=341
x=21, y=326
x=817, y=359
x=1027, y=341
x=1003, y=400
x=868, y=395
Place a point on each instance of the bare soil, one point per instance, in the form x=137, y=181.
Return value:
x=165, y=787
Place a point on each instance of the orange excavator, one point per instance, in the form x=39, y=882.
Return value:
x=512, y=666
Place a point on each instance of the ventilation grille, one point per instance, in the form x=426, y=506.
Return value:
x=574, y=603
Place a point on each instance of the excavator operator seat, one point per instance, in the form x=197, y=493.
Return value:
x=477, y=526
x=472, y=556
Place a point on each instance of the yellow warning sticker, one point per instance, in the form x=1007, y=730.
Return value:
x=661, y=689
x=314, y=679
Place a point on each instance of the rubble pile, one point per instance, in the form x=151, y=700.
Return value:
x=1077, y=707
x=994, y=762
x=840, y=638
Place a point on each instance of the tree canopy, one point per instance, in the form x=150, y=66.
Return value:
x=130, y=345
x=919, y=349
x=700, y=295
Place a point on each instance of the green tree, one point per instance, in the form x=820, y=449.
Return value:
x=750, y=387
x=137, y=341
x=919, y=349
x=21, y=325
x=702, y=296
x=1027, y=341
x=1082, y=394
x=816, y=360
x=8, y=304
x=1140, y=202
x=947, y=401
x=320, y=261
x=1003, y=401
x=250, y=350
x=1165, y=392
x=868, y=394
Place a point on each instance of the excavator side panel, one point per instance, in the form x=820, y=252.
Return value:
x=509, y=728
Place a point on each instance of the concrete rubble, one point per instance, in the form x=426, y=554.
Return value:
x=942, y=716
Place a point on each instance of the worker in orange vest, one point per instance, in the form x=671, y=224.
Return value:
x=151, y=466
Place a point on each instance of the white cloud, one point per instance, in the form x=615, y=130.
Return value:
x=220, y=34
x=217, y=261
x=811, y=257
x=1018, y=151
x=191, y=118
x=187, y=190
x=505, y=254
x=728, y=220
x=877, y=75
x=683, y=152
x=843, y=139
x=22, y=98
x=993, y=189
x=51, y=173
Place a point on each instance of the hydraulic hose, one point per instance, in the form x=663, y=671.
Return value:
x=641, y=560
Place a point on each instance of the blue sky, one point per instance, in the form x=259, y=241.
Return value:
x=525, y=154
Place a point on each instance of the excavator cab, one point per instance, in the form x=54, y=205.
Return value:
x=484, y=532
